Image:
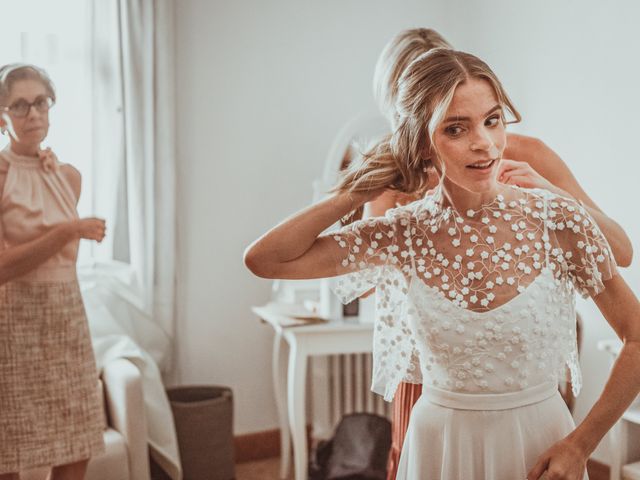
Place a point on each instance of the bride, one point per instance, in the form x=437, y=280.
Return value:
x=475, y=285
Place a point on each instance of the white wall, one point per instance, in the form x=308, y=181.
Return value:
x=264, y=86
x=572, y=69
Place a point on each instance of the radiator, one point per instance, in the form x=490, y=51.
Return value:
x=340, y=384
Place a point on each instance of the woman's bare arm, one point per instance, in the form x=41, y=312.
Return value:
x=551, y=167
x=621, y=309
x=568, y=457
x=295, y=249
x=73, y=178
x=19, y=260
x=379, y=206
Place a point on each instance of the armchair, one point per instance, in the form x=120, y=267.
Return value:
x=126, y=456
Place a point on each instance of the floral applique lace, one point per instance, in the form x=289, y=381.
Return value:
x=482, y=301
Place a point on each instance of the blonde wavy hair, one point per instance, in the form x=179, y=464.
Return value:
x=402, y=160
x=401, y=50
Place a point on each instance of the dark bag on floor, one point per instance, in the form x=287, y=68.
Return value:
x=357, y=451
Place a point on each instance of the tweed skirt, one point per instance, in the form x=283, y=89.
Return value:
x=50, y=410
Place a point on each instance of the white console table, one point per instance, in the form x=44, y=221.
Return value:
x=618, y=435
x=289, y=376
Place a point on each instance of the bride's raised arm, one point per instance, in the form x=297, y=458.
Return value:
x=298, y=249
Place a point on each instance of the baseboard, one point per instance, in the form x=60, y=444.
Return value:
x=597, y=470
x=260, y=445
x=257, y=446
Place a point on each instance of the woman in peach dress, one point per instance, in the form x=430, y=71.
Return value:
x=50, y=411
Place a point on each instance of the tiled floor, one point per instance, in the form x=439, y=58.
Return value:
x=268, y=469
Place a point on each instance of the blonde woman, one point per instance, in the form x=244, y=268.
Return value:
x=50, y=410
x=528, y=163
x=475, y=285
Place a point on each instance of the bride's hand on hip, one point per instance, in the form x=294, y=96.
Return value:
x=563, y=461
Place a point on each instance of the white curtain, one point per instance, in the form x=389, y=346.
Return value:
x=134, y=149
x=130, y=290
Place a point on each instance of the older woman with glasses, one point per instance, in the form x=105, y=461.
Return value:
x=50, y=412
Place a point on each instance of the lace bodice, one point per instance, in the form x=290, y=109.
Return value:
x=481, y=301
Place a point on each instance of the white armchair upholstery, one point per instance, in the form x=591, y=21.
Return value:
x=126, y=456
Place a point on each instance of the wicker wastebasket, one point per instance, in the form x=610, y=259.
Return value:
x=204, y=425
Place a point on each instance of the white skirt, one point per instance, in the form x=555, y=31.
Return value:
x=453, y=436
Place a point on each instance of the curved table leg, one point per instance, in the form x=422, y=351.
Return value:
x=279, y=371
x=615, y=450
x=296, y=389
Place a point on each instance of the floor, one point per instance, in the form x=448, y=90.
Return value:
x=268, y=469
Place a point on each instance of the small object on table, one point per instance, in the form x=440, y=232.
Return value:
x=352, y=308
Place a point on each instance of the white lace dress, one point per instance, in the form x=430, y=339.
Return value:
x=478, y=306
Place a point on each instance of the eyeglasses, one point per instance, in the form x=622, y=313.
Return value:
x=21, y=108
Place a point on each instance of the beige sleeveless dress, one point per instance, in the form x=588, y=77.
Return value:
x=50, y=409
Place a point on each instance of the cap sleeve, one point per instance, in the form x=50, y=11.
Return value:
x=584, y=253
x=395, y=354
x=367, y=248
x=377, y=253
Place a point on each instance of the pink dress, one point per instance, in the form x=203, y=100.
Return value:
x=50, y=409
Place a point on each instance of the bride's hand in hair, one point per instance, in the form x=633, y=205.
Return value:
x=360, y=198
